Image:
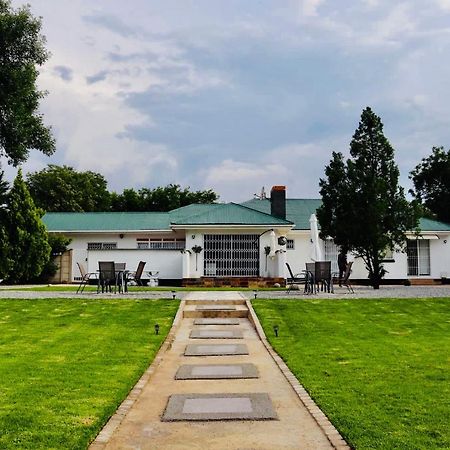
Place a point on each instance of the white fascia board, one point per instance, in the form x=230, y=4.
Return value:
x=430, y=235
x=230, y=227
x=108, y=231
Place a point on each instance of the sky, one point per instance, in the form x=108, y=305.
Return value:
x=234, y=95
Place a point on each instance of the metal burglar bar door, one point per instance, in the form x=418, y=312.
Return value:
x=418, y=252
x=231, y=255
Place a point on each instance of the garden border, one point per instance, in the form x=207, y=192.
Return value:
x=333, y=435
x=106, y=433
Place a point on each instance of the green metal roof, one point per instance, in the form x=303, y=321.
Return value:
x=214, y=214
x=107, y=221
x=433, y=225
x=298, y=210
x=225, y=214
x=252, y=212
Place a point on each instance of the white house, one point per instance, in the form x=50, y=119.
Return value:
x=237, y=244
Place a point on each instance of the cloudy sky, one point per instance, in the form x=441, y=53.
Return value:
x=234, y=95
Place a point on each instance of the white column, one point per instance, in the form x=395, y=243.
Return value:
x=281, y=259
x=186, y=264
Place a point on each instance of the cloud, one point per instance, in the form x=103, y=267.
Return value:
x=309, y=8
x=64, y=72
x=111, y=23
x=242, y=95
x=444, y=4
x=99, y=76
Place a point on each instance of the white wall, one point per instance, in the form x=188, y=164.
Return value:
x=195, y=237
x=168, y=262
x=439, y=258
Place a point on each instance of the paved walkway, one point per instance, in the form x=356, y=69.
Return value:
x=340, y=293
x=223, y=411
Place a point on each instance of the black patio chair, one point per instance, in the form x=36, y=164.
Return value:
x=85, y=277
x=120, y=276
x=137, y=276
x=345, y=281
x=311, y=268
x=303, y=278
x=106, y=276
x=323, y=275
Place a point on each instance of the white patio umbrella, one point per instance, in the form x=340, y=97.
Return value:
x=273, y=243
x=316, y=249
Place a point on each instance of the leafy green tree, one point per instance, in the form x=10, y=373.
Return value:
x=128, y=200
x=364, y=209
x=5, y=261
x=22, y=50
x=62, y=188
x=431, y=180
x=28, y=238
x=163, y=198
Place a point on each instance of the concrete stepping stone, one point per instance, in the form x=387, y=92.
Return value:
x=215, y=349
x=216, y=334
x=254, y=406
x=216, y=321
x=215, y=308
x=216, y=371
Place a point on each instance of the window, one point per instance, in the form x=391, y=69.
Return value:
x=331, y=254
x=231, y=255
x=418, y=254
x=160, y=244
x=102, y=245
x=290, y=244
x=388, y=255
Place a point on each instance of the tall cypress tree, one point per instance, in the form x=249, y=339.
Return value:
x=364, y=208
x=28, y=239
x=4, y=243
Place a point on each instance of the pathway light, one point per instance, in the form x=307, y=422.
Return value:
x=275, y=329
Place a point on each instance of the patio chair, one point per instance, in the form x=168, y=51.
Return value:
x=107, y=276
x=120, y=276
x=136, y=276
x=346, y=278
x=323, y=275
x=298, y=279
x=85, y=277
x=311, y=268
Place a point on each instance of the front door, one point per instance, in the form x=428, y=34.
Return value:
x=231, y=255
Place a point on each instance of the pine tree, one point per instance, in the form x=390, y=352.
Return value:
x=28, y=239
x=4, y=244
x=364, y=209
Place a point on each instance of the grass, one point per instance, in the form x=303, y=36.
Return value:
x=66, y=364
x=379, y=369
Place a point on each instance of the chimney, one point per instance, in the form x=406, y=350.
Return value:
x=278, y=201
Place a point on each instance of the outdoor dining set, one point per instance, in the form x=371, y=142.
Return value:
x=318, y=277
x=113, y=277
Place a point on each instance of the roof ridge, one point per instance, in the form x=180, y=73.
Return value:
x=106, y=212
x=261, y=212
x=197, y=214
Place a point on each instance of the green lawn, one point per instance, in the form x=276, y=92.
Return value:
x=379, y=369
x=66, y=364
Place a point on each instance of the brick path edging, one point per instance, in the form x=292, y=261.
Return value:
x=105, y=434
x=333, y=435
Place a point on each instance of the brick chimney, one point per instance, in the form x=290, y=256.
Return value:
x=278, y=201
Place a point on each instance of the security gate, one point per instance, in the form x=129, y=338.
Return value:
x=231, y=255
x=418, y=252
